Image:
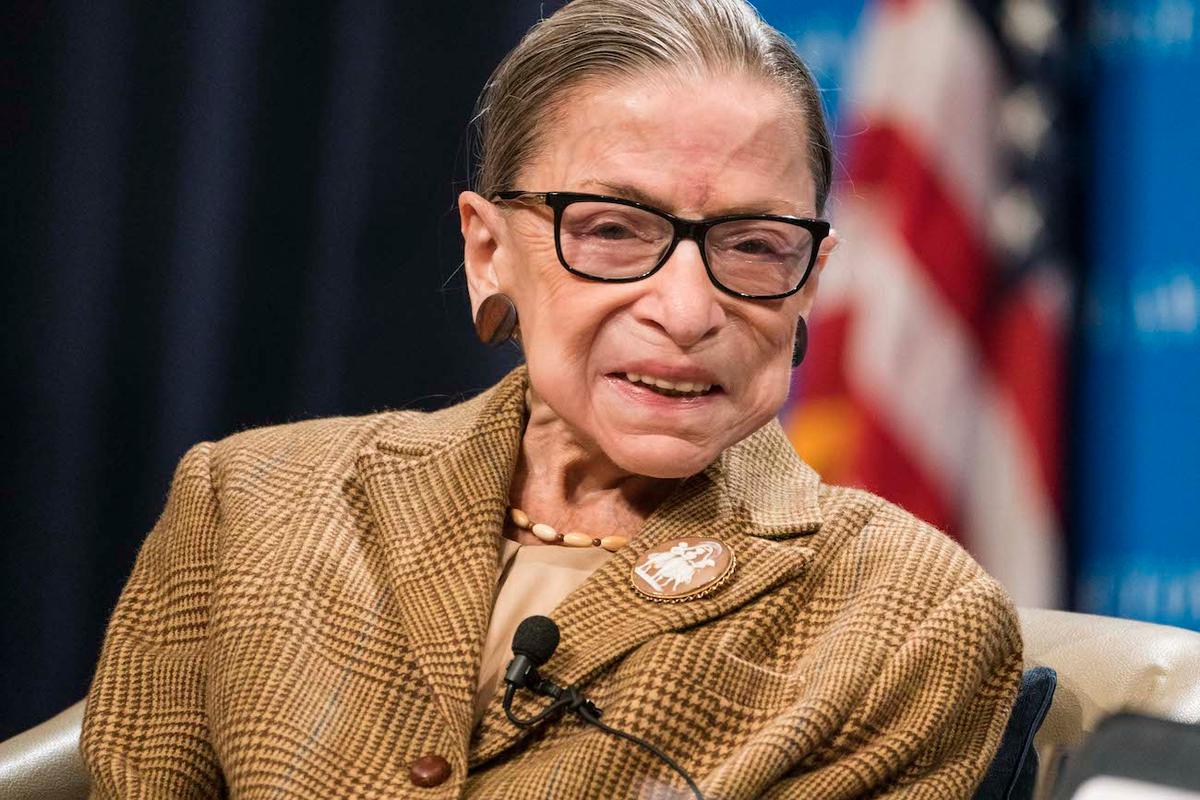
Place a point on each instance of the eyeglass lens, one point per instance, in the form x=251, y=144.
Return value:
x=753, y=257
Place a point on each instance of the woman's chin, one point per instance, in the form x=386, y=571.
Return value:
x=662, y=459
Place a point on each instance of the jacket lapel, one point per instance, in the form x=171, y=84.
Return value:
x=437, y=487
x=758, y=492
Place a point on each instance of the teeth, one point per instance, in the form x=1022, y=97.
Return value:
x=683, y=387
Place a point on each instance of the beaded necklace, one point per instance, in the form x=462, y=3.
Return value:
x=548, y=535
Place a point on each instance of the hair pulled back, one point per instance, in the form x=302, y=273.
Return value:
x=623, y=39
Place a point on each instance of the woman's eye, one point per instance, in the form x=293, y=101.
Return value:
x=611, y=230
x=755, y=247
x=761, y=247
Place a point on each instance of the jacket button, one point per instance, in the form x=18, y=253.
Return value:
x=429, y=771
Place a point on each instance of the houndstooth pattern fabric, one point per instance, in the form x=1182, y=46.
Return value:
x=307, y=617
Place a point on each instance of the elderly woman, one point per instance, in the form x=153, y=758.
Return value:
x=326, y=608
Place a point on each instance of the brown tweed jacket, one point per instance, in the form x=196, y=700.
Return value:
x=306, y=619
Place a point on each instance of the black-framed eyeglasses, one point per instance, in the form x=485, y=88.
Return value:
x=611, y=239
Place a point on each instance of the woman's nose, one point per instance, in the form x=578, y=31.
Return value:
x=681, y=300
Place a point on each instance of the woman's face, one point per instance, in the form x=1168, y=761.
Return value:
x=697, y=148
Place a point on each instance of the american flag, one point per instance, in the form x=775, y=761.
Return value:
x=936, y=372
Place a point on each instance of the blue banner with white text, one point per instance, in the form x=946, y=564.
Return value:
x=1138, y=429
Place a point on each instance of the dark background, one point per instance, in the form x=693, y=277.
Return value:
x=218, y=214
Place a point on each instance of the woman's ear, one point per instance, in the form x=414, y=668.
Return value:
x=809, y=292
x=828, y=245
x=481, y=225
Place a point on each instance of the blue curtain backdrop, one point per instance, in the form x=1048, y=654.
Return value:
x=218, y=214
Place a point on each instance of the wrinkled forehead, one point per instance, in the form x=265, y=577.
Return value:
x=690, y=144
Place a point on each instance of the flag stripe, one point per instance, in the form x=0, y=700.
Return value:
x=1025, y=354
x=884, y=467
x=930, y=221
x=909, y=358
x=928, y=67
x=1011, y=523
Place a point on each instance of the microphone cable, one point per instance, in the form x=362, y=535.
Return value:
x=533, y=644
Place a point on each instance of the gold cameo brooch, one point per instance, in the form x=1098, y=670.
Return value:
x=682, y=569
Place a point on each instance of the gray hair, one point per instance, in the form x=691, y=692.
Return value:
x=620, y=39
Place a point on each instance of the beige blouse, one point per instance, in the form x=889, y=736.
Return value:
x=533, y=579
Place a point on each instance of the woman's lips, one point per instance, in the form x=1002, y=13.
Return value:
x=661, y=397
x=663, y=374
x=664, y=385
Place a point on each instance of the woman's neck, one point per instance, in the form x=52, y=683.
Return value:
x=572, y=485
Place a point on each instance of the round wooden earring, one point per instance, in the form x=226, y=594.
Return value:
x=800, y=346
x=496, y=319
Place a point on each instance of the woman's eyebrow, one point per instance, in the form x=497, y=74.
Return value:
x=627, y=192
x=764, y=206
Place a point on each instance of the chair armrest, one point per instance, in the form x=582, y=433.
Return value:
x=44, y=762
x=1107, y=665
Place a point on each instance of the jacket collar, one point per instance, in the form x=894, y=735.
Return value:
x=437, y=485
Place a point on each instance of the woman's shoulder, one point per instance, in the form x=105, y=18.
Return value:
x=879, y=568
x=881, y=544
x=284, y=452
x=310, y=441
x=858, y=539
x=341, y=439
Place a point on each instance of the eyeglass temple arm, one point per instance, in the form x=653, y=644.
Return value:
x=524, y=197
